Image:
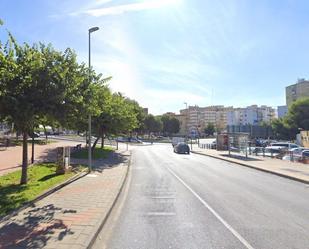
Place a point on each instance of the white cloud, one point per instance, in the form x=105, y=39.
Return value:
x=120, y=9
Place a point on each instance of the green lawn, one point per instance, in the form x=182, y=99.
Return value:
x=36, y=141
x=98, y=153
x=41, y=177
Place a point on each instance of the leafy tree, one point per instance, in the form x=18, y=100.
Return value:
x=118, y=115
x=210, y=129
x=152, y=124
x=296, y=118
x=298, y=114
x=139, y=113
x=171, y=125
x=40, y=83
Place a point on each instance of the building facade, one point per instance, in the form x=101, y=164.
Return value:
x=251, y=115
x=282, y=111
x=297, y=91
x=196, y=118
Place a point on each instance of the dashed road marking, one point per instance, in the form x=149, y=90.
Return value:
x=228, y=226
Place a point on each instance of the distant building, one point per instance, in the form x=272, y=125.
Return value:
x=197, y=118
x=297, y=91
x=282, y=111
x=145, y=111
x=251, y=115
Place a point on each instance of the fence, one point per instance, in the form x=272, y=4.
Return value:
x=241, y=146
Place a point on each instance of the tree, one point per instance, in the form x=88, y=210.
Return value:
x=118, y=115
x=38, y=82
x=296, y=118
x=171, y=125
x=139, y=113
x=210, y=129
x=298, y=114
x=152, y=124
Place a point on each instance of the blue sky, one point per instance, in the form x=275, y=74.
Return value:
x=166, y=52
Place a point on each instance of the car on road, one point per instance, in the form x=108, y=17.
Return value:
x=177, y=140
x=182, y=148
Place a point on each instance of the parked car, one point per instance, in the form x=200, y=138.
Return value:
x=34, y=134
x=182, y=148
x=296, y=154
x=283, y=145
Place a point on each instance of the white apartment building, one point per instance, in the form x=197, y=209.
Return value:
x=282, y=111
x=252, y=115
x=197, y=118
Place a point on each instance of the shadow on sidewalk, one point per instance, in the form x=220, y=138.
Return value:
x=35, y=229
x=114, y=160
x=48, y=155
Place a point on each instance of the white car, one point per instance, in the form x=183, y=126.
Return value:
x=297, y=154
x=284, y=145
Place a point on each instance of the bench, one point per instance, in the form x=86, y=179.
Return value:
x=78, y=147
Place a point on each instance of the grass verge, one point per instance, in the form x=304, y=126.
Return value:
x=41, y=177
x=36, y=141
x=98, y=153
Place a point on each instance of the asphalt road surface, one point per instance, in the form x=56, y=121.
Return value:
x=193, y=201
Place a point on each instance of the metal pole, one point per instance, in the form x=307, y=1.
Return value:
x=89, y=117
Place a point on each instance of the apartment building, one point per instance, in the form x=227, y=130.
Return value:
x=252, y=115
x=297, y=91
x=282, y=111
x=196, y=118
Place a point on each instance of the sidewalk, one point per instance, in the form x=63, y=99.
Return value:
x=70, y=217
x=292, y=170
x=11, y=158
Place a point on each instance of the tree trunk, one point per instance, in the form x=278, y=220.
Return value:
x=32, y=151
x=102, y=141
x=102, y=144
x=95, y=143
x=45, y=133
x=24, y=179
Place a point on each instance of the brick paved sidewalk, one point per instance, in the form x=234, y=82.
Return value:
x=11, y=158
x=70, y=217
x=293, y=170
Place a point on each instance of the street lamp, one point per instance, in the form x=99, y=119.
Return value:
x=93, y=29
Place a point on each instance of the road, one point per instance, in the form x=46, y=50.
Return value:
x=193, y=201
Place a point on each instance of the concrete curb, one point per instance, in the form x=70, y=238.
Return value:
x=74, y=178
x=93, y=239
x=256, y=168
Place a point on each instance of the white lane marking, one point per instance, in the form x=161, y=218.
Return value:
x=160, y=213
x=229, y=227
x=162, y=197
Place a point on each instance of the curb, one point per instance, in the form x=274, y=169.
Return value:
x=256, y=168
x=45, y=194
x=93, y=239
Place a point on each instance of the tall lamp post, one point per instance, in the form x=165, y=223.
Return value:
x=93, y=29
